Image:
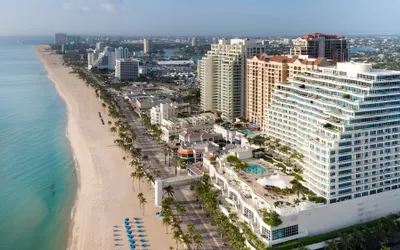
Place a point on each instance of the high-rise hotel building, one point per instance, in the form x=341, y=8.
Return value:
x=222, y=76
x=345, y=120
x=263, y=72
x=321, y=45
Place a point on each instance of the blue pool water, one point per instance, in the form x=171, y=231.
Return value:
x=255, y=169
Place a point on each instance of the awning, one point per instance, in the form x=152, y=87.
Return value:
x=280, y=181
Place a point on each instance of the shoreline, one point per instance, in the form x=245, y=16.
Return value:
x=75, y=159
x=105, y=193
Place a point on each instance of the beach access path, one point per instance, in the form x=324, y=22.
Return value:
x=105, y=194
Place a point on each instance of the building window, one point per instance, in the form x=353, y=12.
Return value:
x=248, y=214
x=285, y=232
x=266, y=233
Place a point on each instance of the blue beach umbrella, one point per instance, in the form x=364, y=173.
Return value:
x=136, y=218
x=126, y=218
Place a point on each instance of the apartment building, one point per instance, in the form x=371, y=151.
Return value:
x=60, y=38
x=321, y=45
x=194, y=41
x=100, y=46
x=222, y=76
x=101, y=59
x=345, y=120
x=263, y=72
x=126, y=69
x=121, y=53
x=147, y=46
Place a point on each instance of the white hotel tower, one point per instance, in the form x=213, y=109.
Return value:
x=345, y=120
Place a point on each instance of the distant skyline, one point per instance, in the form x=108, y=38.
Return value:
x=199, y=18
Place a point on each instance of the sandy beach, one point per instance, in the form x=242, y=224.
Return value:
x=105, y=195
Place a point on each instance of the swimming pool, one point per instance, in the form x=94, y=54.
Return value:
x=255, y=169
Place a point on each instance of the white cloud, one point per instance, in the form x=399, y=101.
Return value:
x=107, y=7
x=70, y=7
x=111, y=5
x=83, y=9
x=66, y=6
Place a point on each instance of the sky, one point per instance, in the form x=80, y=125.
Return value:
x=199, y=17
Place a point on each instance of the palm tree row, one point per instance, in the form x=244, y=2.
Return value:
x=228, y=227
x=174, y=220
x=369, y=236
x=126, y=134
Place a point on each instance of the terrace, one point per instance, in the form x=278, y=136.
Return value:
x=257, y=195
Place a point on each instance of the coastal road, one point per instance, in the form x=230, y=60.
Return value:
x=156, y=160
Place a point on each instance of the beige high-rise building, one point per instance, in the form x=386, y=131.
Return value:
x=147, y=46
x=222, y=76
x=321, y=45
x=262, y=74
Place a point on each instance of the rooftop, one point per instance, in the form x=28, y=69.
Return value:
x=316, y=35
x=288, y=59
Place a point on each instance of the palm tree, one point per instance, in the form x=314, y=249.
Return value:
x=331, y=245
x=358, y=239
x=156, y=172
x=109, y=123
x=190, y=229
x=150, y=179
x=171, y=247
x=180, y=209
x=133, y=176
x=104, y=106
x=168, y=190
x=345, y=241
x=198, y=240
x=185, y=239
x=140, y=195
x=165, y=153
x=113, y=129
x=139, y=175
x=176, y=236
x=142, y=201
x=166, y=220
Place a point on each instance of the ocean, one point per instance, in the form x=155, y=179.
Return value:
x=37, y=171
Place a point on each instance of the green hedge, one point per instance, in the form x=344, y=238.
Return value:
x=327, y=236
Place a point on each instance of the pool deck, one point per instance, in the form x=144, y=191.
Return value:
x=251, y=179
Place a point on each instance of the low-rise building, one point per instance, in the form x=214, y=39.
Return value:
x=193, y=152
x=172, y=127
x=167, y=110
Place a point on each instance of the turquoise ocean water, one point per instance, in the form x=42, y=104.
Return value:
x=37, y=173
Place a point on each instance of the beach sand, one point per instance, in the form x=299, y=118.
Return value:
x=105, y=194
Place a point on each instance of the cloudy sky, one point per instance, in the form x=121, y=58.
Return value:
x=199, y=17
